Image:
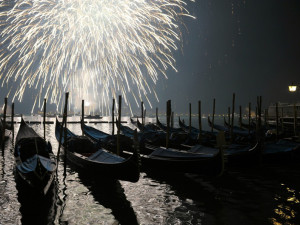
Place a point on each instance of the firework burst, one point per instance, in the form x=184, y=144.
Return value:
x=82, y=46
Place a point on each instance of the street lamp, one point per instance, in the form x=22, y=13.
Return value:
x=293, y=88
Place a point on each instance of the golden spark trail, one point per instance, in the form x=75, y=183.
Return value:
x=101, y=47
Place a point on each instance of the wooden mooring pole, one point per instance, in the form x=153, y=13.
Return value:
x=199, y=122
x=142, y=112
x=168, y=122
x=266, y=117
x=213, y=115
x=232, y=117
x=12, y=120
x=281, y=119
x=240, y=120
x=229, y=117
x=156, y=114
x=119, y=124
x=259, y=132
x=190, y=118
x=4, y=112
x=66, y=147
x=259, y=104
x=172, y=120
x=249, y=118
x=82, y=114
x=4, y=119
x=44, y=119
x=113, y=117
x=62, y=125
x=277, y=121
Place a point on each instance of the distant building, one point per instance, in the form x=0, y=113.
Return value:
x=284, y=110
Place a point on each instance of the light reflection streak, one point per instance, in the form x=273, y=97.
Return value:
x=285, y=210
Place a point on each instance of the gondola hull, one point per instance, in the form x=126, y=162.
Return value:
x=82, y=154
x=35, y=162
x=205, y=167
x=127, y=171
x=39, y=185
x=209, y=164
x=205, y=164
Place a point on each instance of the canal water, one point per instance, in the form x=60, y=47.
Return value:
x=267, y=194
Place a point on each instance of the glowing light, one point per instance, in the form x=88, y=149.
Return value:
x=107, y=46
x=292, y=88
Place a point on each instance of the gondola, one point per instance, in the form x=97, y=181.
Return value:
x=206, y=163
x=283, y=150
x=226, y=124
x=155, y=138
x=150, y=127
x=247, y=126
x=177, y=135
x=85, y=156
x=105, y=140
x=207, y=137
x=276, y=151
x=236, y=130
x=235, y=154
x=93, y=133
x=164, y=127
x=187, y=128
x=160, y=159
x=133, y=121
x=35, y=161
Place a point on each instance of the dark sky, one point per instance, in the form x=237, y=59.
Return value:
x=248, y=47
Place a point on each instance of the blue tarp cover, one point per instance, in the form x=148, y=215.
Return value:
x=103, y=156
x=171, y=153
x=96, y=134
x=200, y=149
x=280, y=147
x=30, y=164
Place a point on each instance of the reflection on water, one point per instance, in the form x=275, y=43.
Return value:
x=261, y=195
x=9, y=204
x=159, y=204
x=36, y=209
x=110, y=194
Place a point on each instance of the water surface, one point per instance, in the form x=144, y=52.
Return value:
x=259, y=195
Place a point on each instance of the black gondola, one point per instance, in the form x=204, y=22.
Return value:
x=172, y=160
x=147, y=127
x=35, y=161
x=236, y=130
x=187, y=129
x=207, y=137
x=164, y=127
x=84, y=154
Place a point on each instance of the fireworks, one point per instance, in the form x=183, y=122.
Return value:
x=103, y=47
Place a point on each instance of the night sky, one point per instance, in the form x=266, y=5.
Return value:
x=250, y=48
